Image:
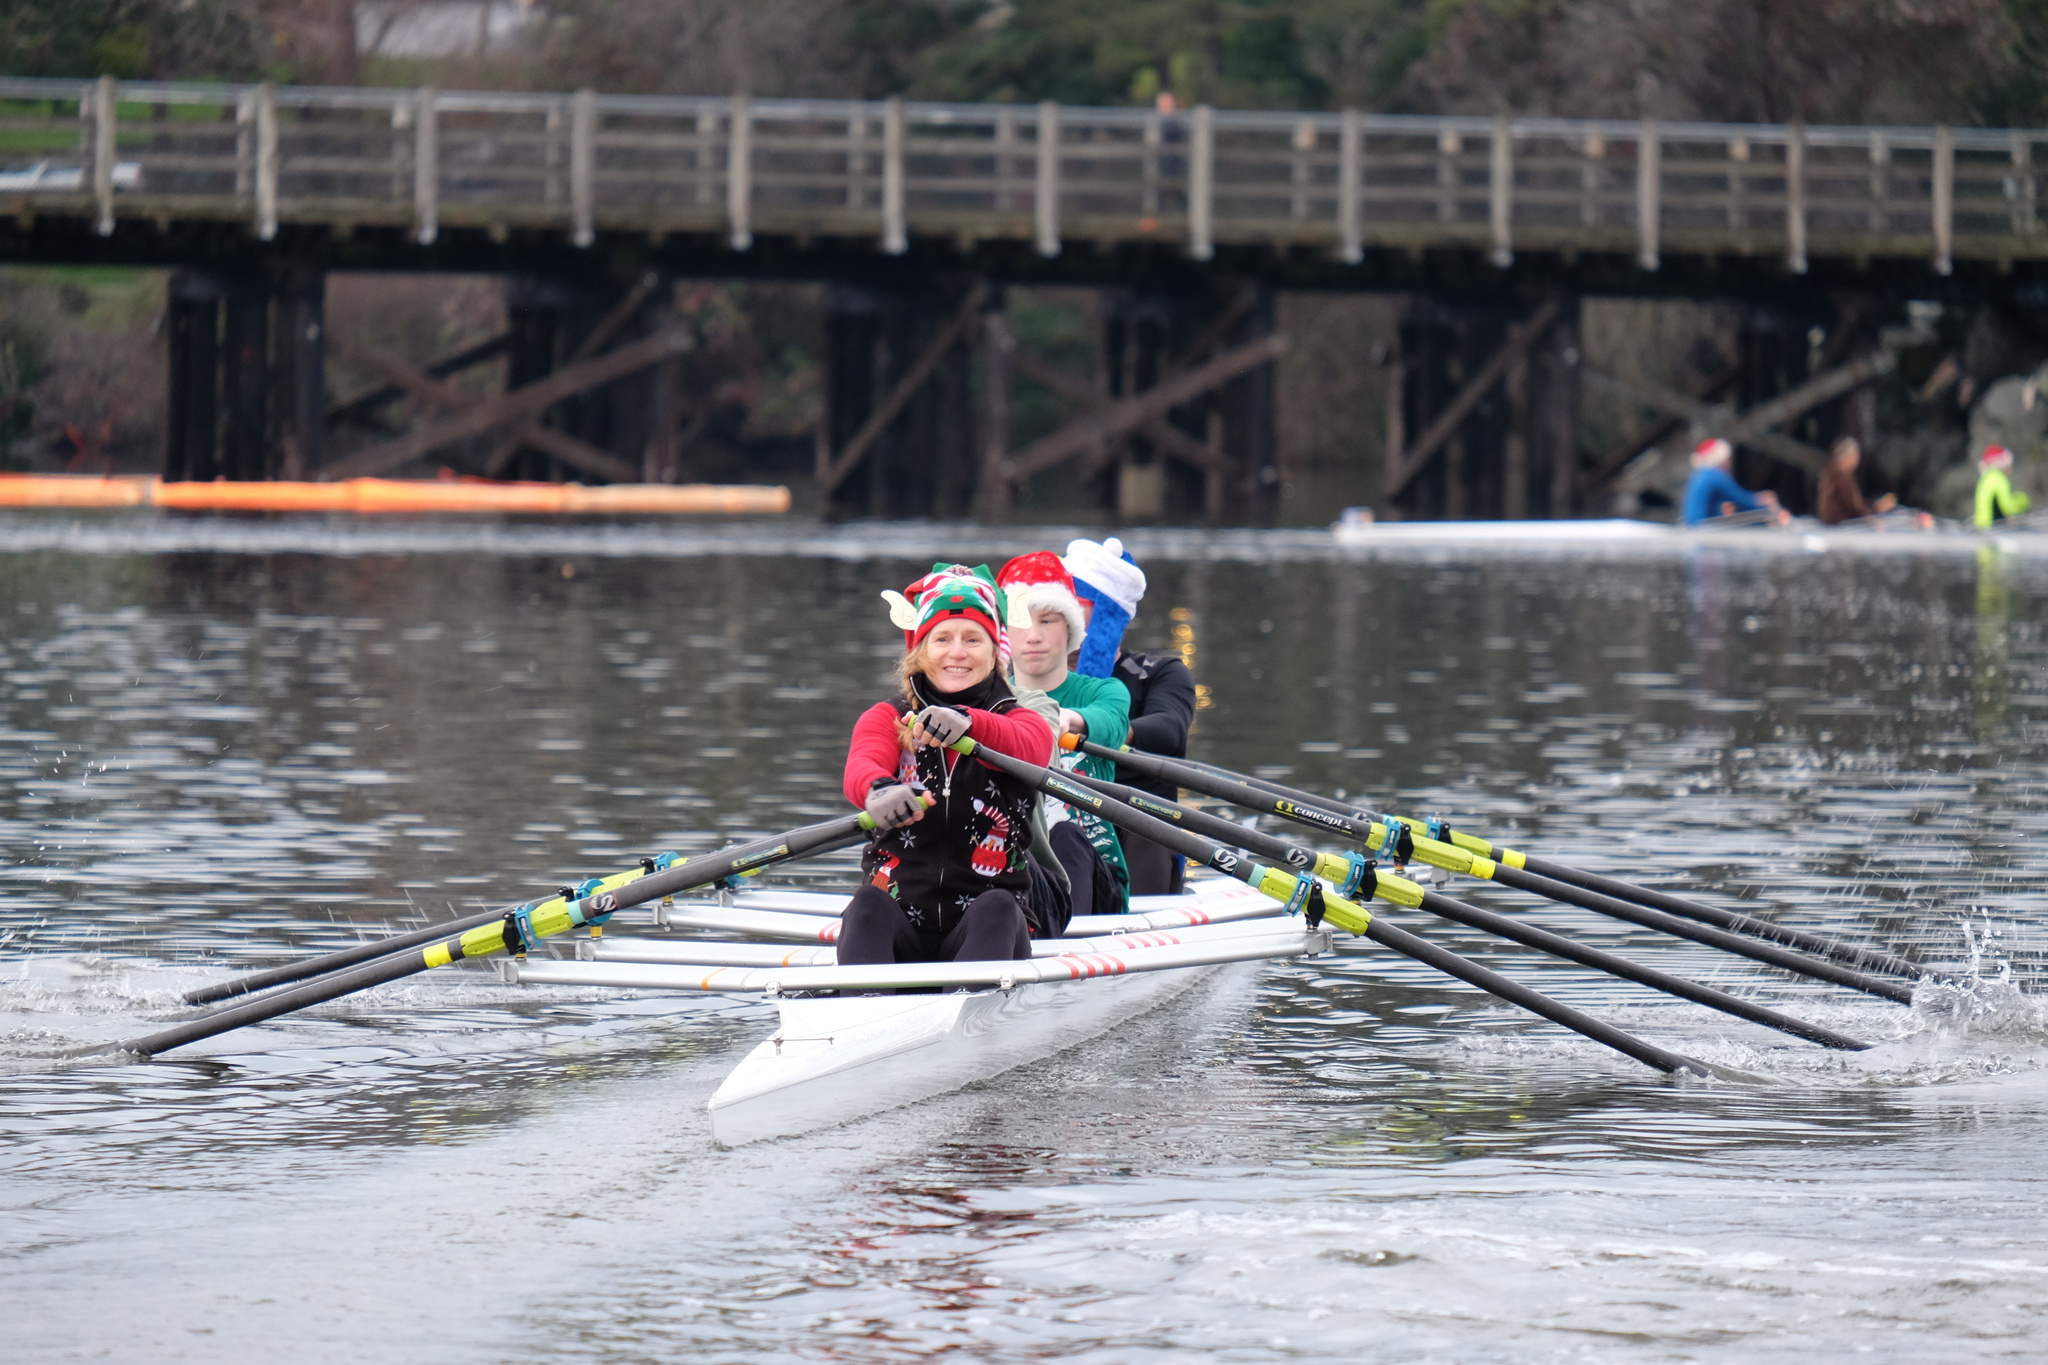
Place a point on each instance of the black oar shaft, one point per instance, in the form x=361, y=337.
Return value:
x=1849, y=954
x=251, y=982
x=1493, y=983
x=1357, y=824
x=1869, y=959
x=1211, y=854
x=394, y=966
x=1616, y=908
x=1557, y=945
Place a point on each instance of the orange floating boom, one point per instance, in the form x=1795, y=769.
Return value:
x=390, y=495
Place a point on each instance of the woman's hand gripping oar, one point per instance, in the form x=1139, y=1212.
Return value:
x=1349, y=873
x=1865, y=959
x=1307, y=894
x=1359, y=825
x=513, y=931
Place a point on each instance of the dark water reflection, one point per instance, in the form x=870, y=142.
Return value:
x=229, y=744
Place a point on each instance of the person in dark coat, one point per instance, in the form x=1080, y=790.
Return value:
x=1110, y=584
x=1840, y=499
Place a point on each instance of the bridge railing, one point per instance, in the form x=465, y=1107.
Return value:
x=1344, y=183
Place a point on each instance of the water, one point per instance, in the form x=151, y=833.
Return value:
x=232, y=743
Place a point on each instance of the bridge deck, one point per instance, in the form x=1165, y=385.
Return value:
x=583, y=164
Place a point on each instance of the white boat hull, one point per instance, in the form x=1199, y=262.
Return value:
x=834, y=1060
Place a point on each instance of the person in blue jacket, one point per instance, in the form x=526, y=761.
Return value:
x=1712, y=490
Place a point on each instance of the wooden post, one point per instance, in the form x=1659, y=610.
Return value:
x=1448, y=146
x=1944, y=199
x=426, y=170
x=245, y=145
x=1006, y=160
x=1350, y=187
x=1298, y=169
x=2023, y=179
x=266, y=161
x=103, y=152
x=1795, y=198
x=1047, y=204
x=551, y=153
x=1649, y=188
x=1738, y=212
x=1501, y=196
x=1446, y=424
x=401, y=119
x=192, y=431
x=906, y=388
x=739, y=174
x=707, y=144
x=1560, y=388
x=1595, y=150
x=1148, y=172
x=895, y=239
x=299, y=387
x=582, y=166
x=1202, y=184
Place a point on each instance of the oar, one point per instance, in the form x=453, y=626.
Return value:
x=1381, y=837
x=1344, y=871
x=1345, y=914
x=250, y=982
x=1869, y=959
x=514, y=931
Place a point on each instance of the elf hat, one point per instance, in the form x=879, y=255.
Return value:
x=949, y=591
x=1711, y=451
x=1039, y=582
x=1997, y=457
x=1106, y=575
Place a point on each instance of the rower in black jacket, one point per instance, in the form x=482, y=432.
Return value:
x=1110, y=584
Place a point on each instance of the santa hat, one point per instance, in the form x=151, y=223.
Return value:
x=949, y=591
x=1106, y=575
x=1039, y=582
x=1712, y=451
x=1997, y=457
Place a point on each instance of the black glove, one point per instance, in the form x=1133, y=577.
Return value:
x=943, y=725
x=892, y=804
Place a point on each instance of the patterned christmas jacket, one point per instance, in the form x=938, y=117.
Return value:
x=977, y=834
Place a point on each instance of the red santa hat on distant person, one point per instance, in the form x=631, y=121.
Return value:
x=1712, y=451
x=1039, y=582
x=1997, y=457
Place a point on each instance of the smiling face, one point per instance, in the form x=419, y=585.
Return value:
x=1039, y=651
x=956, y=655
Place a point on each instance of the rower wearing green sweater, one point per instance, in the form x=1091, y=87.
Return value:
x=1046, y=627
x=1996, y=497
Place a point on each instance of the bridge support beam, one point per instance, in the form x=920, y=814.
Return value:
x=911, y=352
x=551, y=324
x=246, y=365
x=1150, y=338
x=1489, y=391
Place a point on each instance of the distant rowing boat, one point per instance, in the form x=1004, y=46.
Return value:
x=1801, y=535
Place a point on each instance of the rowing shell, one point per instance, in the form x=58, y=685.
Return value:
x=836, y=1058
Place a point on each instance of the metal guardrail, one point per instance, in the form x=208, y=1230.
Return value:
x=584, y=162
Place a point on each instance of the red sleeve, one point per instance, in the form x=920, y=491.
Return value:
x=1021, y=733
x=873, y=752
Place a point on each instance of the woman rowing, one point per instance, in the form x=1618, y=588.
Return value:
x=948, y=882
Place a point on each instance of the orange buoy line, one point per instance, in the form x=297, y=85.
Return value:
x=388, y=495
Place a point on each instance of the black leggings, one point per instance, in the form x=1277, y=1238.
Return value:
x=1155, y=870
x=873, y=928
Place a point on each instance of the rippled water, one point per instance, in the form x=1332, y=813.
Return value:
x=232, y=743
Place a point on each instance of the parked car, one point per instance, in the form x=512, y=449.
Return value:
x=48, y=177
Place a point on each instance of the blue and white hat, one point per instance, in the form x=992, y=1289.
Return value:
x=1106, y=575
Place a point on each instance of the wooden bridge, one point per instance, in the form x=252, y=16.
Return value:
x=579, y=165
x=931, y=208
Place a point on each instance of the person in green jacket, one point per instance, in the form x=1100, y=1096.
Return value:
x=1996, y=498
x=1046, y=626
